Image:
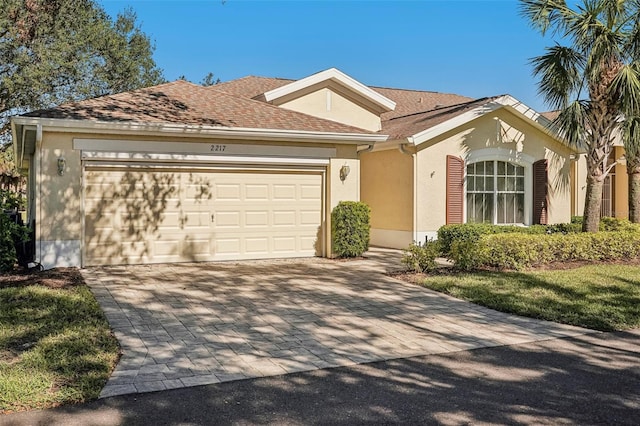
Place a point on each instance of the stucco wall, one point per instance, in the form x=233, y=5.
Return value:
x=500, y=135
x=621, y=188
x=327, y=103
x=621, y=185
x=387, y=187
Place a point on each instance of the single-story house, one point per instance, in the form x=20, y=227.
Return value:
x=252, y=168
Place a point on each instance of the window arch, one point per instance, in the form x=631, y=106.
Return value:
x=507, y=186
x=495, y=192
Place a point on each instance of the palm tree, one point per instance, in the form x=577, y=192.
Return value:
x=594, y=80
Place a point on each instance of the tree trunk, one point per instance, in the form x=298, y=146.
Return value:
x=634, y=194
x=593, y=201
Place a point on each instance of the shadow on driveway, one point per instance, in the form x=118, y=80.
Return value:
x=590, y=379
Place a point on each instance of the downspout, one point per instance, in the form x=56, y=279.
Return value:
x=369, y=148
x=402, y=148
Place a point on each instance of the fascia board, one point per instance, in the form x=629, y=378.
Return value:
x=451, y=124
x=506, y=101
x=160, y=129
x=16, y=145
x=339, y=77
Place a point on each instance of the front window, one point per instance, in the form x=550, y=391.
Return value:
x=495, y=192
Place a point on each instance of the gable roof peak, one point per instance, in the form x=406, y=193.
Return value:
x=377, y=101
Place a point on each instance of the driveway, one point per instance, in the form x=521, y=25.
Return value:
x=183, y=325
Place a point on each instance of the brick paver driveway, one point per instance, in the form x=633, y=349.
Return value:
x=192, y=324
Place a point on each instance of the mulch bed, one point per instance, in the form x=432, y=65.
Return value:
x=53, y=278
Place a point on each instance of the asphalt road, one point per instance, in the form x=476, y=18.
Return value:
x=592, y=379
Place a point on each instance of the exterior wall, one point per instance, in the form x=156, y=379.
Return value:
x=502, y=134
x=387, y=187
x=339, y=190
x=620, y=189
x=58, y=207
x=58, y=200
x=327, y=103
x=621, y=186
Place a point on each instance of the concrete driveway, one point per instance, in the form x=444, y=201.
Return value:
x=183, y=325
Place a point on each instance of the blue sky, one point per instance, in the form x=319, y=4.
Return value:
x=473, y=47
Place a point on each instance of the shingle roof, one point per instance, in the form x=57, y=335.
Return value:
x=550, y=115
x=407, y=101
x=409, y=125
x=232, y=104
x=181, y=102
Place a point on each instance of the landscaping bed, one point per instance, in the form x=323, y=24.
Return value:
x=56, y=346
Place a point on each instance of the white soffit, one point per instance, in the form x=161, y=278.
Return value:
x=332, y=75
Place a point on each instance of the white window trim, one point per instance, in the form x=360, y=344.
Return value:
x=511, y=156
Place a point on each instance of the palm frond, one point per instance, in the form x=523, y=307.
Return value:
x=631, y=46
x=626, y=88
x=559, y=71
x=545, y=14
x=572, y=124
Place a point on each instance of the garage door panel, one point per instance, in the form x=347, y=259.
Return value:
x=284, y=192
x=284, y=244
x=226, y=191
x=256, y=219
x=309, y=192
x=284, y=218
x=150, y=216
x=255, y=192
x=227, y=219
x=196, y=220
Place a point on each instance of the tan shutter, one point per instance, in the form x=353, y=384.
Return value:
x=540, y=183
x=455, y=189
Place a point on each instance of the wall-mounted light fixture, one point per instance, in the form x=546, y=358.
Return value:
x=62, y=163
x=344, y=172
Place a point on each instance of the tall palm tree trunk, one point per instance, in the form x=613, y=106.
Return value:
x=592, y=204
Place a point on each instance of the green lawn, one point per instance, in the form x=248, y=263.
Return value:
x=601, y=297
x=55, y=344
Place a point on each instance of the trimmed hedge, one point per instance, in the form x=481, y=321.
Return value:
x=470, y=232
x=350, y=228
x=519, y=251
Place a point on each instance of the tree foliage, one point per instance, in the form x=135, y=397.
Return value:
x=55, y=51
x=594, y=80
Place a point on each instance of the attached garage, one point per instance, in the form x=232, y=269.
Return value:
x=184, y=173
x=163, y=214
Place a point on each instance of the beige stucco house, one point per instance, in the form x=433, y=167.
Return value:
x=252, y=168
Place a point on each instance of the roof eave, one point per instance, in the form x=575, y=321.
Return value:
x=188, y=130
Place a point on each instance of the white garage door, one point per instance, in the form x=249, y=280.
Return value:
x=155, y=216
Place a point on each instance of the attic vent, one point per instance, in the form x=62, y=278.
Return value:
x=420, y=100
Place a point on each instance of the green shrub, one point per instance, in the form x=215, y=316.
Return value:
x=466, y=232
x=11, y=233
x=350, y=228
x=615, y=224
x=472, y=231
x=519, y=251
x=421, y=257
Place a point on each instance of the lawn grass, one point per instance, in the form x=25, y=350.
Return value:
x=55, y=343
x=602, y=297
